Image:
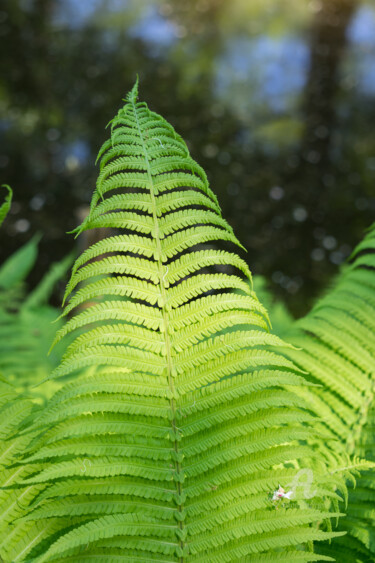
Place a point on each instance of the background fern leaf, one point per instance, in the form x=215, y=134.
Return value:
x=4, y=208
x=337, y=341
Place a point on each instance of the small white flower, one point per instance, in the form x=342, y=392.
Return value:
x=280, y=493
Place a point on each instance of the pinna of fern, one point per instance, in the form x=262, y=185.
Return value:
x=335, y=345
x=169, y=449
x=26, y=329
x=18, y=536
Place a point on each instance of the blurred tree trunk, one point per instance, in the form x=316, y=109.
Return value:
x=328, y=41
x=311, y=178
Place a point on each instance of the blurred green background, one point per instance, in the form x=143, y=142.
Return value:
x=275, y=99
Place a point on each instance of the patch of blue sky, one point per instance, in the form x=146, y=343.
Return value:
x=368, y=76
x=361, y=37
x=155, y=30
x=77, y=13
x=275, y=69
x=361, y=30
x=5, y=124
x=78, y=149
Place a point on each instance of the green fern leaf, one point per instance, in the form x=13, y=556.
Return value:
x=169, y=450
x=337, y=349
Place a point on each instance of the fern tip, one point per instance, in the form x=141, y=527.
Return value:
x=132, y=96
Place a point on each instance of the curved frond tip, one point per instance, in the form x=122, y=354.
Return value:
x=132, y=96
x=4, y=208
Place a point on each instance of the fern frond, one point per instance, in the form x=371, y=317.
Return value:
x=16, y=538
x=26, y=329
x=15, y=269
x=185, y=409
x=337, y=349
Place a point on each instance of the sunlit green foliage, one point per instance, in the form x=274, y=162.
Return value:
x=336, y=348
x=26, y=329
